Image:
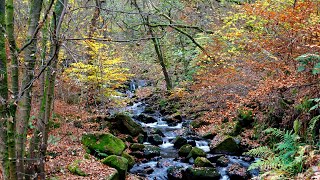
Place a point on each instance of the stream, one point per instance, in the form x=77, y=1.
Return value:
x=156, y=168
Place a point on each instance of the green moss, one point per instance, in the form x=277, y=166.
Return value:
x=226, y=145
x=137, y=146
x=74, y=169
x=119, y=163
x=202, y=162
x=130, y=159
x=103, y=143
x=202, y=173
x=196, y=152
x=185, y=150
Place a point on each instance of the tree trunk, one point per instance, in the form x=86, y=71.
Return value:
x=24, y=104
x=40, y=137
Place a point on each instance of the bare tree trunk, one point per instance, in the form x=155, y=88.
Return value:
x=24, y=104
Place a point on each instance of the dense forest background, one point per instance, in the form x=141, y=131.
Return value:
x=246, y=69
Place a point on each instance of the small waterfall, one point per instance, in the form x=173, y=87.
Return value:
x=203, y=145
x=132, y=86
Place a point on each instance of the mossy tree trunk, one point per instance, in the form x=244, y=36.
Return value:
x=24, y=104
x=38, y=144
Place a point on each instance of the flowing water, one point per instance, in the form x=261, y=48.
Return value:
x=156, y=168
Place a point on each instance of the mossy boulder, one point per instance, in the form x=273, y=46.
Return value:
x=103, y=143
x=127, y=125
x=224, y=145
x=179, y=141
x=185, y=150
x=130, y=159
x=114, y=175
x=196, y=152
x=202, y=162
x=151, y=151
x=203, y=173
x=223, y=161
x=119, y=163
x=137, y=147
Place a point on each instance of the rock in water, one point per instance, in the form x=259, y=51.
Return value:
x=179, y=141
x=128, y=125
x=202, y=162
x=119, y=163
x=197, y=152
x=103, y=143
x=224, y=144
x=202, y=173
x=237, y=172
x=175, y=173
x=185, y=150
x=151, y=151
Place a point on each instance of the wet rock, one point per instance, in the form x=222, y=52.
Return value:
x=173, y=118
x=157, y=131
x=185, y=150
x=149, y=110
x=140, y=138
x=214, y=157
x=237, y=172
x=103, y=143
x=179, y=141
x=137, y=147
x=224, y=145
x=148, y=170
x=203, y=173
x=150, y=151
x=146, y=118
x=155, y=139
x=196, y=152
x=202, y=162
x=223, y=161
x=119, y=163
x=192, y=142
x=175, y=173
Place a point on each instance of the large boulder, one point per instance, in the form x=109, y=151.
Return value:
x=179, y=141
x=103, y=143
x=203, y=173
x=237, y=172
x=127, y=125
x=185, y=150
x=224, y=145
x=151, y=151
x=202, y=162
x=119, y=163
x=175, y=173
x=196, y=152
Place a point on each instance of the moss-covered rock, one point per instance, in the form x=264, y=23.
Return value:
x=128, y=125
x=150, y=151
x=137, y=147
x=130, y=159
x=223, y=161
x=225, y=145
x=196, y=152
x=202, y=162
x=140, y=138
x=203, y=173
x=146, y=118
x=114, y=175
x=179, y=141
x=185, y=150
x=103, y=143
x=119, y=163
x=75, y=169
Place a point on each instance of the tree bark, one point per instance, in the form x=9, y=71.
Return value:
x=24, y=104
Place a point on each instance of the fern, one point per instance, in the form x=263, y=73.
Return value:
x=312, y=125
x=263, y=151
x=274, y=132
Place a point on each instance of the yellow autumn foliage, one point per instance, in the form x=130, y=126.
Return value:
x=100, y=71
